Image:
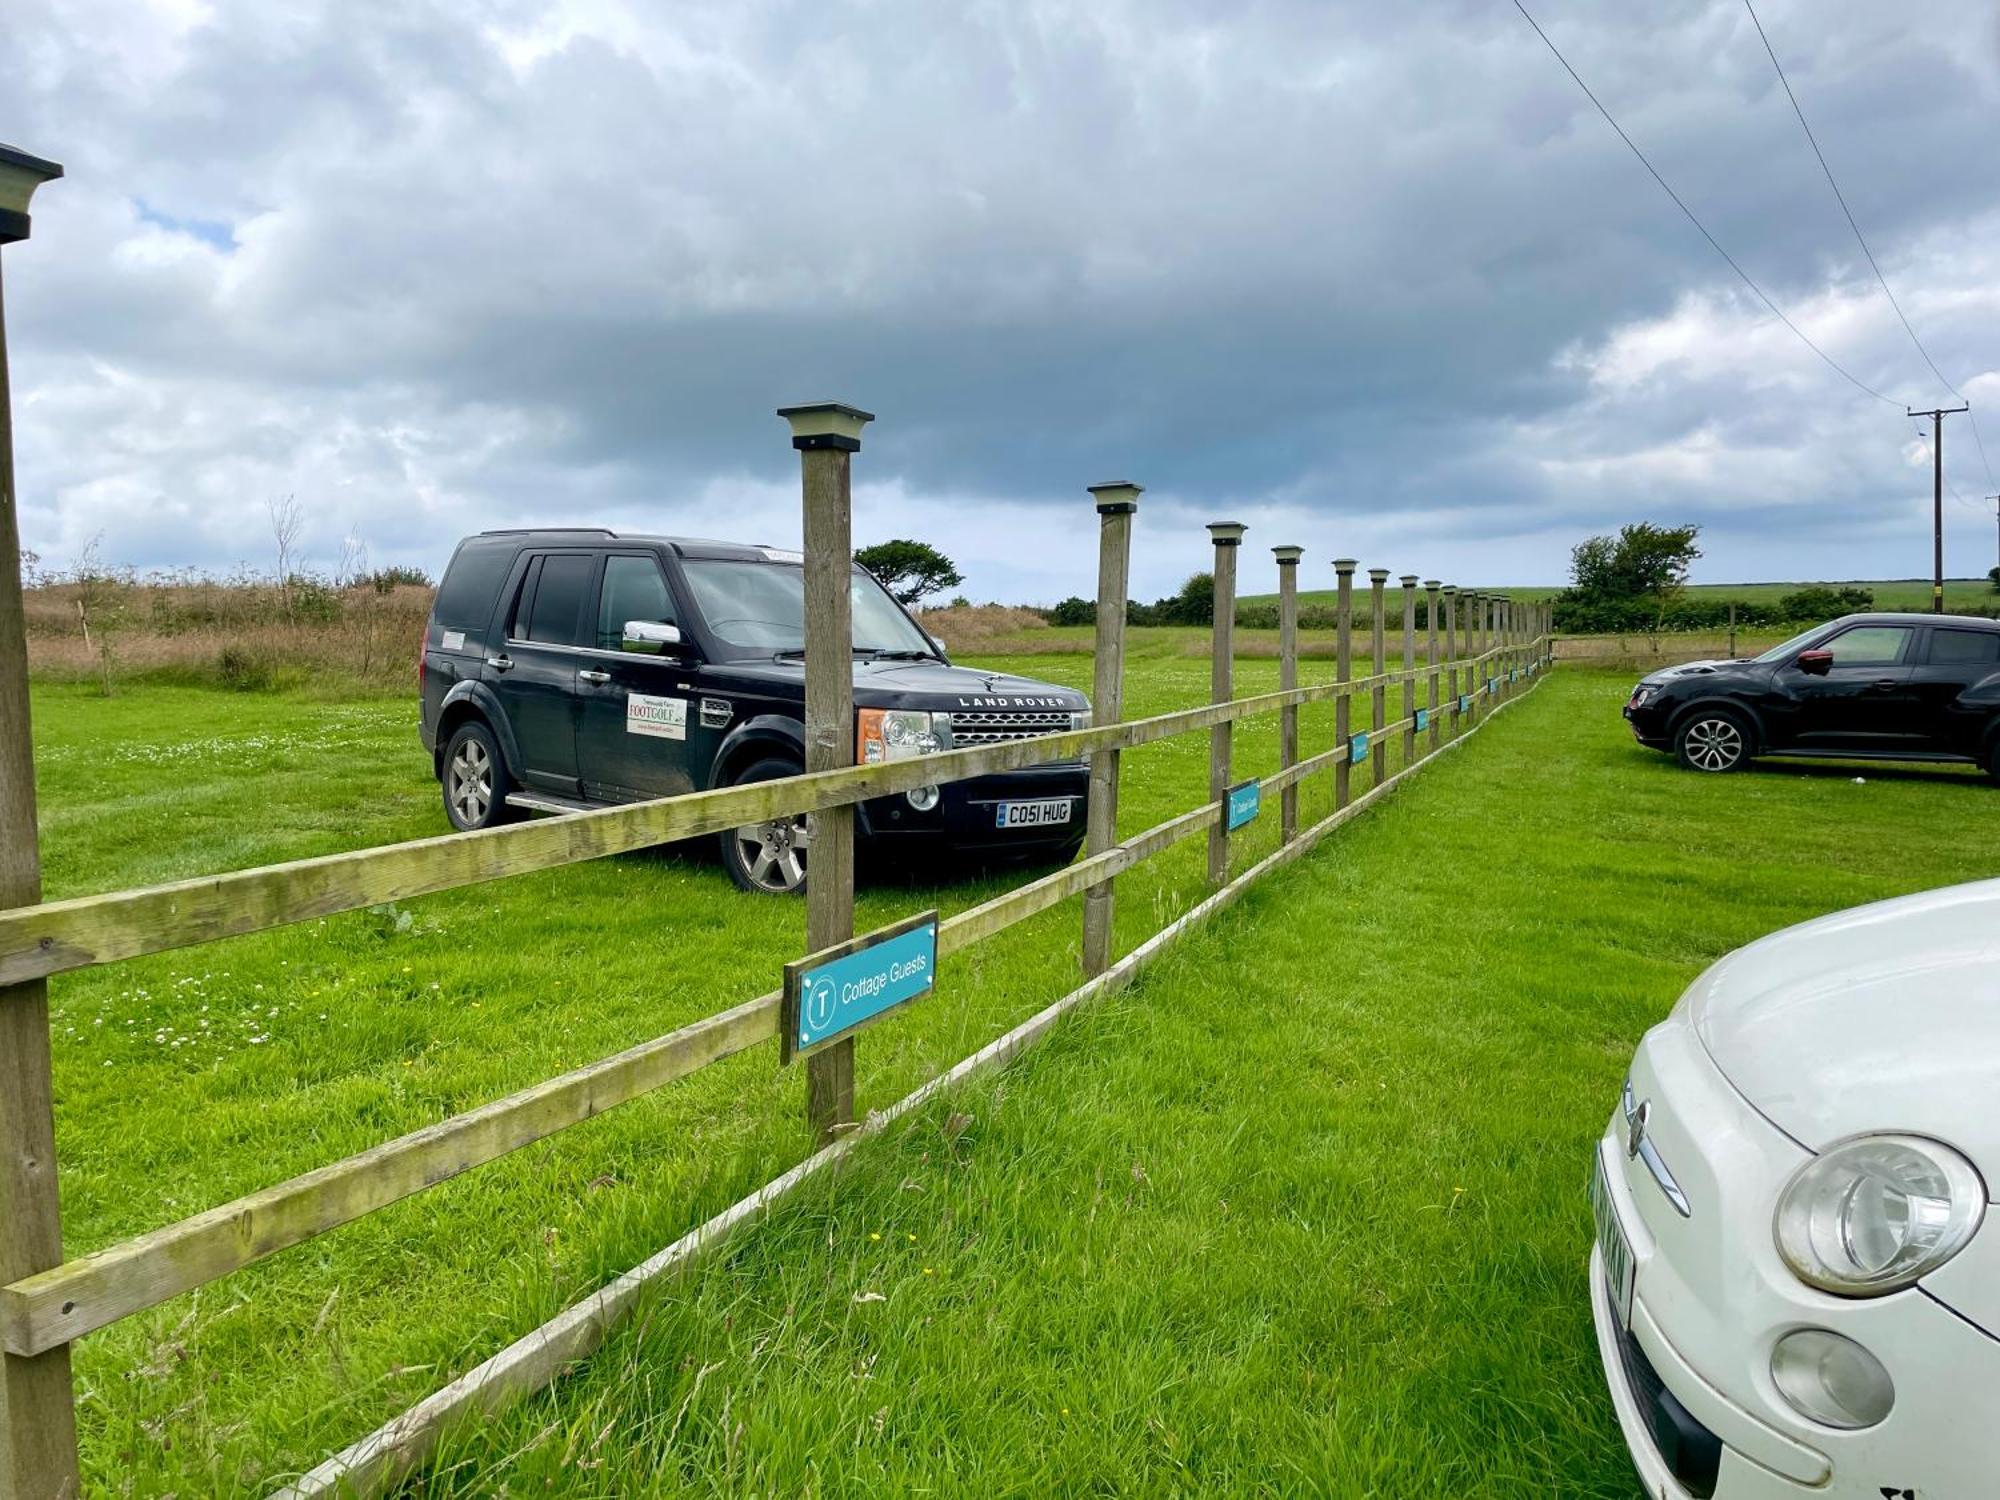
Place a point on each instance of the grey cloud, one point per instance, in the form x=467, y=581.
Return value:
x=1343, y=270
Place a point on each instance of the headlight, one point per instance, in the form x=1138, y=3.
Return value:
x=1640, y=695
x=894, y=734
x=1873, y=1214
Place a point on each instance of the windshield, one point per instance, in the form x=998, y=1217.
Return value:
x=761, y=606
x=1795, y=644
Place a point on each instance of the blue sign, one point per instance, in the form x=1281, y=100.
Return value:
x=1465, y=703
x=1513, y=673
x=1245, y=802
x=830, y=994
x=1357, y=749
x=1423, y=718
x=1492, y=687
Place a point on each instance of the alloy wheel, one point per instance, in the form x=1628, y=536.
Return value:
x=1714, y=745
x=773, y=854
x=471, y=782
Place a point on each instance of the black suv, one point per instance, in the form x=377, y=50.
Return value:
x=569, y=669
x=1873, y=687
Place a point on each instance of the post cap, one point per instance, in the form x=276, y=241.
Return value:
x=826, y=424
x=1431, y=585
x=1378, y=575
x=1344, y=565
x=1288, y=556
x=1451, y=588
x=1116, y=497
x=1227, y=533
x=20, y=175
x=1408, y=580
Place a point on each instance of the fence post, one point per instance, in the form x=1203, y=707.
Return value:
x=1732, y=630
x=1221, y=680
x=1475, y=648
x=1431, y=587
x=1451, y=648
x=1409, y=583
x=1378, y=759
x=1288, y=678
x=1117, y=503
x=1343, y=671
x=37, y=1399
x=827, y=435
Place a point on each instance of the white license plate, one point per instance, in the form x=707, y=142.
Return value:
x=1031, y=814
x=1611, y=1244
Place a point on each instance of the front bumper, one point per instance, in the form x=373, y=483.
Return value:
x=1711, y=1298
x=966, y=816
x=1649, y=722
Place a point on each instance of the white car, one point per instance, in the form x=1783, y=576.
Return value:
x=1793, y=1292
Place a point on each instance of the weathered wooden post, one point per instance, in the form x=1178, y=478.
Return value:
x=1228, y=537
x=1409, y=582
x=827, y=435
x=1288, y=678
x=1117, y=503
x=1343, y=672
x=1732, y=630
x=37, y=1401
x=1378, y=760
x=1475, y=650
x=1451, y=648
x=1431, y=587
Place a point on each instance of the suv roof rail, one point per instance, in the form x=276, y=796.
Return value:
x=533, y=531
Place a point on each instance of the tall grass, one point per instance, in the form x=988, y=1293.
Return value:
x=250, y=634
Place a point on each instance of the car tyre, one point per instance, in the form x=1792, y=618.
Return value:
x=1714, y=740
x=768, y=859
x=1993, y=758
x=474, y=779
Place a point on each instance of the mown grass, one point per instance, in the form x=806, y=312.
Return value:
x=191, y=1077
x=1302, y=1212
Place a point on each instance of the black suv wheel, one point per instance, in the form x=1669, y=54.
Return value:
x=769, y=857
x=475, y=779
x=1713, y=739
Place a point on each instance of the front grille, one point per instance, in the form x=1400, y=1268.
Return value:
x=991, y=727
x=1691, y=1452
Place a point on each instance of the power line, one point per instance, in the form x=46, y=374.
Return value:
x=1714, y=244
x=1861, y=239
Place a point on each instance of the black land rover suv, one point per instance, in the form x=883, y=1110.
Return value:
x=568, y=669
x=1863, y=687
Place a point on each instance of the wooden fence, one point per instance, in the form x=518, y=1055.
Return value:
x=1477, y=652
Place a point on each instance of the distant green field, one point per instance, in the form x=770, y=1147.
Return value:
x=1890, y=593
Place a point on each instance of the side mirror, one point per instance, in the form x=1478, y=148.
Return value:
x=652, y=638
x=1815, y=663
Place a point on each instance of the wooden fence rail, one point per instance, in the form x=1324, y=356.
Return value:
x=43, y=1312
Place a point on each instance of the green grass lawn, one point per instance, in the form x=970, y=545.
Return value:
x=1300, y=1213
x=188, y=1078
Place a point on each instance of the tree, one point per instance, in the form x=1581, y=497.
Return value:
x=1643, y=561
x=1074, y=610
x=1994, y=574
x=909, y=570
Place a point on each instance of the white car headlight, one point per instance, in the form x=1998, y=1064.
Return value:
x=1873, y=1214
x=894, y=734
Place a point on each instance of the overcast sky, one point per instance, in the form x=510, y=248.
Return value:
x=1374, y=279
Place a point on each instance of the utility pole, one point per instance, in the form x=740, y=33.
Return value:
x=1996, y=524
x=1937, y=414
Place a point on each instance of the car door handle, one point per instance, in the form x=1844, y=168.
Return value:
x=590, y=676
x=1885, y=684
x=501, y=663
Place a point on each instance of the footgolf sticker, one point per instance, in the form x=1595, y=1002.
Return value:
x=663, y=718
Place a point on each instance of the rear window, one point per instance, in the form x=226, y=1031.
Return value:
x=1950, y=646
x=552, y=619
x=471, y=584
